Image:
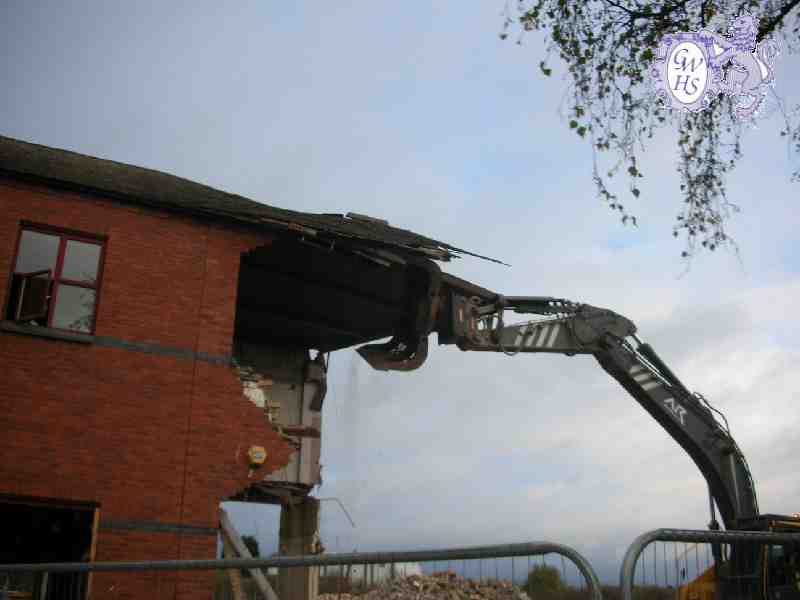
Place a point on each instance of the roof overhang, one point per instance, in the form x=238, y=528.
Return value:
x=58, y=168
x=326, y=281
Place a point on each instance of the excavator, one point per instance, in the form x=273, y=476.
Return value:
x=741, y=570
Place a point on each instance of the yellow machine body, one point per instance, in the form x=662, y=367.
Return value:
x=702, y=587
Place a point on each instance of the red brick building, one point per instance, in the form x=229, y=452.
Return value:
x=153, y=331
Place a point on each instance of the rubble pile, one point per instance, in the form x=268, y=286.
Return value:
x=439, y=586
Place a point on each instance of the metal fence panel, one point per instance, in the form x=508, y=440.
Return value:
x=685, y=556
x=364, y=570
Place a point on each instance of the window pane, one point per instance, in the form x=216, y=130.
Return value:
x=80, y=261
x=37, y=251
x=74, y=308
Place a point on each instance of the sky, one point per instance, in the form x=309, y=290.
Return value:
x=418, y=113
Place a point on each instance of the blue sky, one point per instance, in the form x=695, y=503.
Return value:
x=417, y=113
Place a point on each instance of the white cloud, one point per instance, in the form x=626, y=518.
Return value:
x=421, y=116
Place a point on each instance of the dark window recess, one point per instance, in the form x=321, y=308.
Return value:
x=55, y=282
x=30, y=293
x=40, y=532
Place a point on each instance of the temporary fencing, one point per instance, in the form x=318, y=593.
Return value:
x=693, y=564
x=503, y=568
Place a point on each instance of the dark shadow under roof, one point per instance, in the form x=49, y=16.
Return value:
x=62, y=168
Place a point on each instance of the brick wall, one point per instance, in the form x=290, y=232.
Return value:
x=149, y=437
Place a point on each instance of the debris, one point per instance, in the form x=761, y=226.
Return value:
x=444, y=585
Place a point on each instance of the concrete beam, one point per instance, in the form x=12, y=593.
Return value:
x=299, y=534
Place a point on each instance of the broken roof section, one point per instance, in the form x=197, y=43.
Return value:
x=153, y=188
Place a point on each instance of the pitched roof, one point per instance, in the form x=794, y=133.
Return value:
x=63, y=168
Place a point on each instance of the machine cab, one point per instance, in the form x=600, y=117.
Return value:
x=782, y=564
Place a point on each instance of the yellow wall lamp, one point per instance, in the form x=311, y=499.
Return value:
x=256, y=457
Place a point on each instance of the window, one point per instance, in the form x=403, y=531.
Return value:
x=55, y=281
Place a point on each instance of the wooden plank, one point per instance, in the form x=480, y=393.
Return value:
x=238, y=545
x=93, y=549
x=301, y=431
x=234, y=575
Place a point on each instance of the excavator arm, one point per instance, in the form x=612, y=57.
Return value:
x=570, y=328
x=473, y=319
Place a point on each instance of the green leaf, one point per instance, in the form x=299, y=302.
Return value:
x=581, y=131
x=633, y=171
x=544, y=69
x=573, y=124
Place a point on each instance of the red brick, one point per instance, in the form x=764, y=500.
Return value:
x=149, y=437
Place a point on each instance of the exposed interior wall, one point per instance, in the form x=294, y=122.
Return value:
x=310, y=451
x=274, y=380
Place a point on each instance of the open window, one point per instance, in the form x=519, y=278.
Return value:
x=37, y=530
x=55, y=281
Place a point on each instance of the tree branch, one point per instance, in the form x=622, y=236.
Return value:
x=619, y=6
x=660, y=15
x=773, y=23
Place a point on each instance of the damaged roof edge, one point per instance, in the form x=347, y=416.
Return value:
x=137, y=185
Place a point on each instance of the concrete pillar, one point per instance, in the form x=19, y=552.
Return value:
x=299, y=534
